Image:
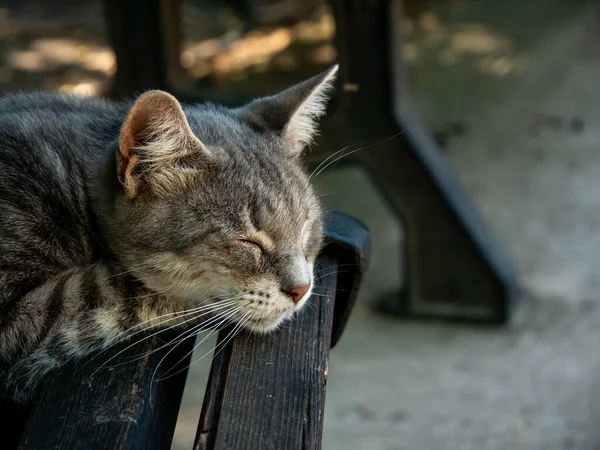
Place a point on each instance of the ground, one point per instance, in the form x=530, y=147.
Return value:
x=511, y=91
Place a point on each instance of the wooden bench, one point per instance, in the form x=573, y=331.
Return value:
x=264, y=392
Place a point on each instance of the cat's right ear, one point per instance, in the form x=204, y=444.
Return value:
x=155, y=141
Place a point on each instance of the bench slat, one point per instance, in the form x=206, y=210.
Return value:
x=117, y=408
x=268, y=392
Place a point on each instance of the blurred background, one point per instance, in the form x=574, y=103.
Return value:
x=510, y=91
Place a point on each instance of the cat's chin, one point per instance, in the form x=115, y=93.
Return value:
x=266, y=325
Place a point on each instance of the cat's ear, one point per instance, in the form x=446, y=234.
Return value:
x=294, y=112
x=155, y=139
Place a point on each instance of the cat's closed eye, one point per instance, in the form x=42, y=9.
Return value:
x=251, y=243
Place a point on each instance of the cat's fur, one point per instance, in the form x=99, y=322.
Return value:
x=114, y=215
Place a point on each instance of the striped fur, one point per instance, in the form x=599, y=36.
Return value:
x=229, y=220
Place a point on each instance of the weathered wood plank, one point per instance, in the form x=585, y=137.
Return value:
x=117, y=408
x=268, y=392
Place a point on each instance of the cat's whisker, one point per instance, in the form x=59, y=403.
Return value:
x=328, y=244
x=195, y=330
x=105, y=363
x=309, y=304
x=331, y=288
x=180, y=338
x=325, y=194
x=236, y=329
x=215, y=329
x=182, y=313
x=227, y=317
x=249, y=334
x=340, y=265
x=179, y=313
x=356, y=150
x=333, y=155
x=196, y=316
x=130, y=270
x=199, y=312
x=179, y=341
x=204, y=339
x=335, y=272
x=327, y=159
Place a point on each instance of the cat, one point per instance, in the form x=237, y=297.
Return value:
x=143, y=215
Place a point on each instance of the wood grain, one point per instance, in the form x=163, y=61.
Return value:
x=117, y=408
x=268, y=392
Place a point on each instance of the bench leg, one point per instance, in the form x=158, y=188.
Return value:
x=145, y=35
x=454, y=267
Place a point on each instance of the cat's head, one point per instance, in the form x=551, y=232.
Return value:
x=214, y=206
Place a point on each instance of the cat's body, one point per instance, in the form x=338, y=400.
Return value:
x=118, y=215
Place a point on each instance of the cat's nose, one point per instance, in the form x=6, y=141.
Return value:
x=297, y=293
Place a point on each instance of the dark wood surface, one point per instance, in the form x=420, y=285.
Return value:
x=117, y=408
x=268, y=392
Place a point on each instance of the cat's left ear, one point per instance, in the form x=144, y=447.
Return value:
x=294, y=112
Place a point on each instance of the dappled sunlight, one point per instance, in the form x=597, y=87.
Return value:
x=49, y=54
x=476, y=46
x=59, y=53
x=290, y=37
x=284, y=48
x=84, y=89
x=477, y=40
x=254, y=50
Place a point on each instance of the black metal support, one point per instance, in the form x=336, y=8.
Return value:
x=145, y=36
x=454, y=268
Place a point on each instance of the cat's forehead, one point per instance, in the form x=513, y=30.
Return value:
x=254, y=178
x=217, y=126
x=248, y=200
x=225, y=132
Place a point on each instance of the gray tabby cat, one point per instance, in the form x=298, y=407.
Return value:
x=117, y=217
